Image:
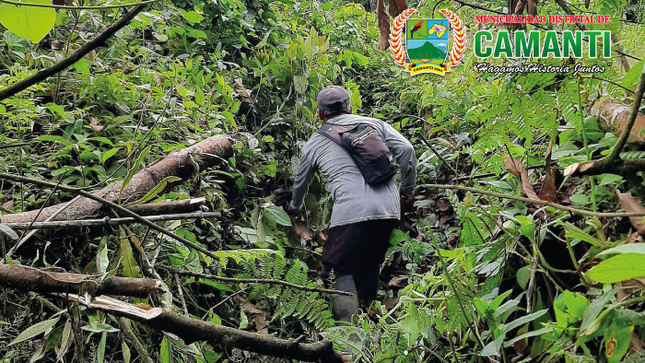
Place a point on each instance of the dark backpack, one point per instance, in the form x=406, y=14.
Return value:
x=366, y=146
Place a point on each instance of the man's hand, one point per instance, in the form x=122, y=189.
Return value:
x=290, y=210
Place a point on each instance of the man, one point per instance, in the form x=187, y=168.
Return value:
x=363, y=216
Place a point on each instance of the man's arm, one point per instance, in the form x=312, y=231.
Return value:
x=302, y=180
x=403, y=151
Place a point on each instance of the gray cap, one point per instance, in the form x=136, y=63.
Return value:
x=333, y=98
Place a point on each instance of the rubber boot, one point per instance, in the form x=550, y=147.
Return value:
x=344, y=306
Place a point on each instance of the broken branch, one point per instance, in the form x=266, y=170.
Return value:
x=192, y=330
x=110, y=221
x=32, y=279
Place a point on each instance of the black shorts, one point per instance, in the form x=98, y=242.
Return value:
x=358, y=249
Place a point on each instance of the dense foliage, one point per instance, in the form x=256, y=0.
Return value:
x=476, y=277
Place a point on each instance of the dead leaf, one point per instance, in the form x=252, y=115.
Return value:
x=94, y=124
x=54, y=44
x=160, y=37
x=548, y=190
x=383, y=25
x=245, y=95
x=301, y=230
x=636, y=344
x=6, y=206
x=90, y=56
x=631, y=205
x=260, y=321
x=516, y=168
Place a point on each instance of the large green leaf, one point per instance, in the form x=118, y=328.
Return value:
x=628, y=248
x=281, y=217
x=619, y=268
x=28, y=22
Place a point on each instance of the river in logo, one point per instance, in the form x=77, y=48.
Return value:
x=427, y=40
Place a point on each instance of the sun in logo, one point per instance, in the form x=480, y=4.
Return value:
x=426, y=42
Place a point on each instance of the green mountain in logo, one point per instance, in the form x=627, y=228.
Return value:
x=426, y=53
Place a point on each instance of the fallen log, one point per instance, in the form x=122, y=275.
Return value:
x=180, y=163
x=192, y=330
x=613, y=115
x=37, y=280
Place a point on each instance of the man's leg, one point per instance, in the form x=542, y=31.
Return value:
x=336, y=275
x=354, y=253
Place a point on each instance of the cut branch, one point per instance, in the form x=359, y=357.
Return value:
x=192, y=330
x=110, y=221
x=32, y=279
x=75, y=57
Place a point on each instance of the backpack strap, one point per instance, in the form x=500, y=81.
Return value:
x=333, y=132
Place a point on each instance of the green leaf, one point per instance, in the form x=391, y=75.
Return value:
x=133, y=170
x=523, y=276
x=65, y=340
x=589, y=321
x=36, y=329
x=360, y=59
x=100, y=328
x=165, y=354
x=104, y=261
x=82, y=66
x=130, y=267
x=397, y=236
x=215, y=284
x=619, y=268
x=574, y=232
x=525, y=319
x=108, y=154
x=126, y=352
x=54, y=138
x=7, y=231
x=300, y=83
x=493, y=347
x=617, y=340
x=631, y=78
x=580, y=199
x=628, y=248
x=28, y=22
x=326, y=6
x=192, y=16
x=281, y=217
x=610, y=179
x=100, y=353
x=156, y=190
x=527, y=335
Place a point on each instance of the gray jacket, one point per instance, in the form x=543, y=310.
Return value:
x=354, y=200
